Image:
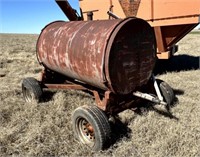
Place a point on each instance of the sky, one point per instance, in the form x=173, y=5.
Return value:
x=30, y=16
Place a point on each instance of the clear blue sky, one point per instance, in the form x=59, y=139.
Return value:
x=29, y=16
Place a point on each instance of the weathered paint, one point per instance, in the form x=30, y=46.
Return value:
x=116, y=55
x=130, y=8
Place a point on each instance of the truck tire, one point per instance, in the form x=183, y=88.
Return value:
x=31, y=89
x=91, y=127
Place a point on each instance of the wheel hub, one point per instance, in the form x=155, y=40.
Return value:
x=86, y=131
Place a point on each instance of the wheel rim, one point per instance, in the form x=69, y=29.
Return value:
x=28, y=95
x=85, y=131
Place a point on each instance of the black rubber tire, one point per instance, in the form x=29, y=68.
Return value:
x=167, y=92
x=99, y=138
x=31, y=89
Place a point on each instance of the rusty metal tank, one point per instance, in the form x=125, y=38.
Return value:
x=115, y=55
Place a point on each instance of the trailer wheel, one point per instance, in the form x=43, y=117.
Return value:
x=167, y=92
x=91, y=127
x=31, y=89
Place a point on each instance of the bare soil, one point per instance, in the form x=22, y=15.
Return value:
x=28, y=129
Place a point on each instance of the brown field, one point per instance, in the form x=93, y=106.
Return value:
x=46, y=129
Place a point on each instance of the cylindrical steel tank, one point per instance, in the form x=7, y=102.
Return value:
x=116, y=55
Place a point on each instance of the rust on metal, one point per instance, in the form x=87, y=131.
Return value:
x=98, y=101
x=105, y=101
x=130, y=54
x=102, y=53
x=65, y=86
x=130, y=7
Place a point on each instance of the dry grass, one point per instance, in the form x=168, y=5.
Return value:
x=46, y=129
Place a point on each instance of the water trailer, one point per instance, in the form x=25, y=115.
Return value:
x=112, y=59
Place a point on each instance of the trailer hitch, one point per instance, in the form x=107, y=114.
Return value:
x=149, y=97
x=156, y=99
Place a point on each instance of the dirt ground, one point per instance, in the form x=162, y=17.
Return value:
x=46, y=130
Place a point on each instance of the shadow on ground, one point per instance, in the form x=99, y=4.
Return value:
x=147, y=106
x=177, y=63
x=48, y=95
x=120, y=130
